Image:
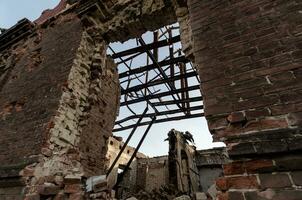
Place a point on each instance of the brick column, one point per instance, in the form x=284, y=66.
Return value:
x=248, y=54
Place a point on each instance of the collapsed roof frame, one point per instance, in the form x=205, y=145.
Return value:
x=179, y=95
x=166, y=77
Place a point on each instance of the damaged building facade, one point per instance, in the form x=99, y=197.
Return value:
x=60, y=95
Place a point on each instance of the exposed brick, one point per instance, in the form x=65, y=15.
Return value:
x=269, y=123
x=285, y=108
x=230, y=196
x=73, y=188
x=250, y=167
x=258, y=113
x=47, y=152
x=60, y=196
x=48, y=189
x=288, y=163
x=236, y=117
x=258, y=166
x=217, y=123
x=240, y=149
x=295, y=143
x=32, y=197
x=295, y=119
x=71, y=179
x=274, y=194
x=297, y=177
x=297, y=54
x=240, y=182
x=233, y=168
x=236, y=196
x=274, y=181
x=28, y=172
x=243, y=182
x=257, y=195
x=288, y=195
x=221, y=184
x=76, y=196
x=272, y=146
x=257, y=56
x=222, y=196
x=34, y=110
x=281, y=77
x=60, y=86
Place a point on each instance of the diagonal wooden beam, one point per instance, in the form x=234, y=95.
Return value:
x=160, y=121
x=151, y=46
x=163, y=63
x=172, y=102
x=159, y=95
x=158, y=82
x=160, y=113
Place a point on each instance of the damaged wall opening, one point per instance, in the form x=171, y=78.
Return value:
x=160, y=96
x=173, y=91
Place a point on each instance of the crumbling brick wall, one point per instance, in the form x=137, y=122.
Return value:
x=123, y=20
x=71, y=96
x=26, y=108
x=248, y=55
x=58, y=108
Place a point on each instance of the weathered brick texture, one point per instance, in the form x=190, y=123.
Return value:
x=249, y=59
x=59, y=105
x=248, y=55
x=30, y=96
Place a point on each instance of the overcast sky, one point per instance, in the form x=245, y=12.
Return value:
x=12, y=11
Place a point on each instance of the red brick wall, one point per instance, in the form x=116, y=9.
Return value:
x=278, y=177
x=248, y=54
x=249, y=58
x=30, y=96
x=57, y=110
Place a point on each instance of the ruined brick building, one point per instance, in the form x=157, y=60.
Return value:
x=60, y=93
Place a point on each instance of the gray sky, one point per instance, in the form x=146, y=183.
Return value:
x=12, y=11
